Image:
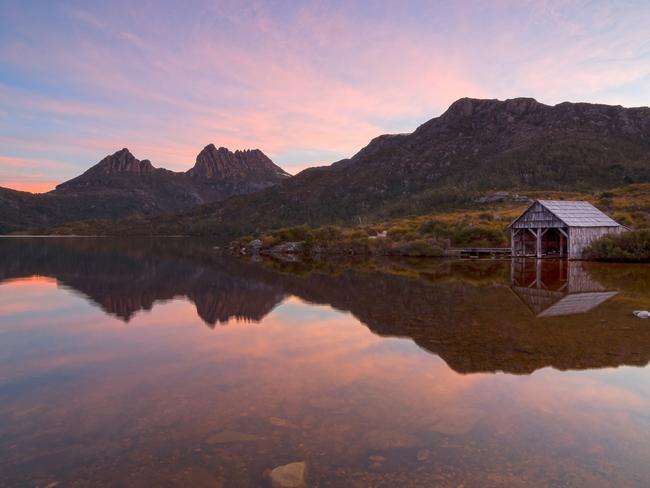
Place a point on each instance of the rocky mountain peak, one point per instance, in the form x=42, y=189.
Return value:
x=214, y=163
x=471, y=107
x=122, y=161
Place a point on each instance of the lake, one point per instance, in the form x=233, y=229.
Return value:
x=164, y=362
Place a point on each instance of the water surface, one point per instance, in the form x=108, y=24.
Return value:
x=166, y=363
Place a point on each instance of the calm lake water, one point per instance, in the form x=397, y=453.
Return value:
x=165, y=363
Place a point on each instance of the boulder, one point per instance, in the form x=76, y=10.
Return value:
x=254, y=246
x=288, y=248
x=292, y=475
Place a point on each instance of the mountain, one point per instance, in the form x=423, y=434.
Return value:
x=121, y=185
x=475, y=147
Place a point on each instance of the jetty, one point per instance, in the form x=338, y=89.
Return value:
x=479, y=252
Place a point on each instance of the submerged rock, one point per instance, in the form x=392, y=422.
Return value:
x=389, y=439
x=423, y=454
x=230, y=436
x=280, y=422
x=292, y=475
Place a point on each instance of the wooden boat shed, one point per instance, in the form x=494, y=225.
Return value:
x=559, y=228
x=556, y=287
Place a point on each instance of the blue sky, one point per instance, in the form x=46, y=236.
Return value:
x=307, y=82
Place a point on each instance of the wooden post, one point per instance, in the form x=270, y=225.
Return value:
x=563, y=236
x=532, y=231
x=538, y=243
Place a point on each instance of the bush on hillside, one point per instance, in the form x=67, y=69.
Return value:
x=631, y=246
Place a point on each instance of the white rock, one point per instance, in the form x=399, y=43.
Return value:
x=642, y=314
x=292, y=475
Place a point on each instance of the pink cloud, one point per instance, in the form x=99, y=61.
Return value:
x=318, y=80
x=32, y=187
x=296, y=106
x=21, y=101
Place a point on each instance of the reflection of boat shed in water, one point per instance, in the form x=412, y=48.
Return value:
x=557, y=287
x=559, y=228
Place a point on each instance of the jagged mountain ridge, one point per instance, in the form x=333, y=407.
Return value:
x=213, y=166
x=476, y=146
x=120, y=185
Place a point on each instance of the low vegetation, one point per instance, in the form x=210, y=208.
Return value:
x=627, y=247
x=429, y=235
x=479, y=222
x=424, y=236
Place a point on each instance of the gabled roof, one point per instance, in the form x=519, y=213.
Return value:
x=575, y=213
x=578, y=213
x=576, y=303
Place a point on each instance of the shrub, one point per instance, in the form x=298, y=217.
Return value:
x=629, y=246
x=434, y=227
x=398, y=232
x=478, y=236
x=269, y=240
x=418, y=248
x=623, y=218
x=292, y=234
x=325, y=233
x=358, y=234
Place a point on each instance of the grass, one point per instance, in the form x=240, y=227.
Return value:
x=431, y=234
x=422, y=236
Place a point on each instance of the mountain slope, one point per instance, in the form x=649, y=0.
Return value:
x=121, y=185
x=476, y=146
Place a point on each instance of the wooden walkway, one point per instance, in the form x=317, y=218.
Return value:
x=479, y=252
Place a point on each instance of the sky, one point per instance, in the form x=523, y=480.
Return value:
x=307, y=82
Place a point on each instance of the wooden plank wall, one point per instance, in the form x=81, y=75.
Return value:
x=581, y=237
x=537, y=217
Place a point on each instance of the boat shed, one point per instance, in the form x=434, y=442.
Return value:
x=559, y=228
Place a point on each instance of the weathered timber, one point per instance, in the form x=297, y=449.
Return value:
x=558, y=229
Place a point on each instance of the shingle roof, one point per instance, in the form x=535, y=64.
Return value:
x=575, y=303
x=578, y=213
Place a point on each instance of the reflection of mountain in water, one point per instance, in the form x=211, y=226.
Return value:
x=464, y=312
x=556, y=287
x=126, y=276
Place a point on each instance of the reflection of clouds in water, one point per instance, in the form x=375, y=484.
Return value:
x=461, y=311
x=28, y=295
x=294, y=307
x=304, y=383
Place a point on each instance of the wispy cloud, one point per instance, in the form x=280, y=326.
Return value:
x=314, y=80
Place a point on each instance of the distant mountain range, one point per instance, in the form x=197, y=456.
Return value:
x=476, y=146
x=121, y=185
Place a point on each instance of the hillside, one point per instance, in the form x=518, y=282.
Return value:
x=475, y=148
x=483, y=224
x=121, y=185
